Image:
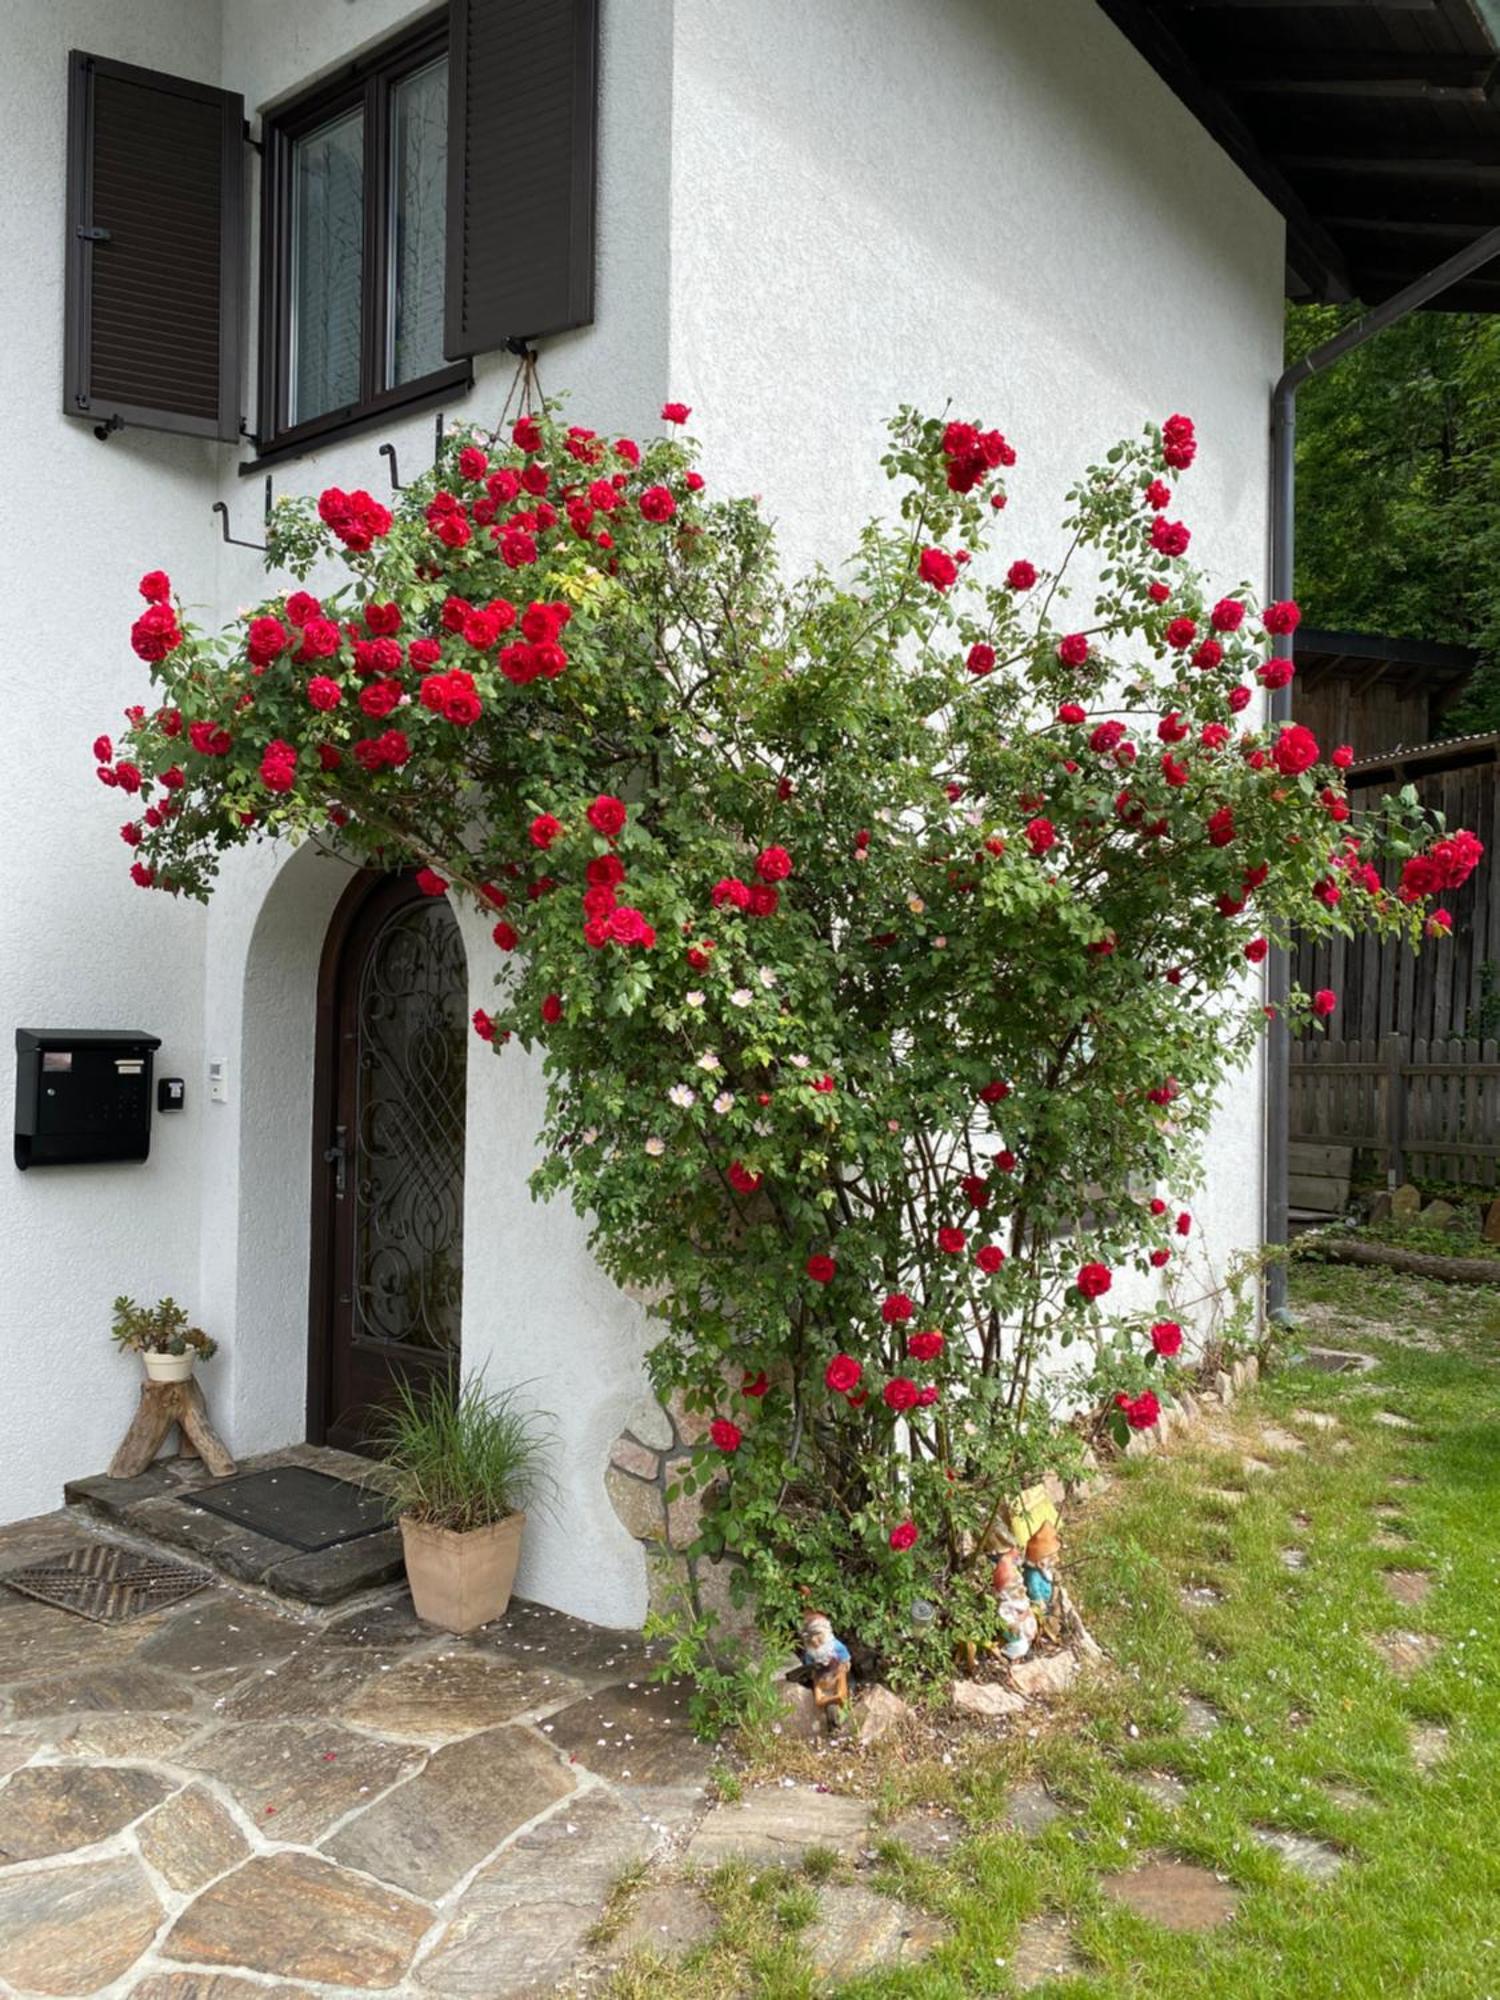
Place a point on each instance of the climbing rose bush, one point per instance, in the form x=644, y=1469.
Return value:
x=886, y=934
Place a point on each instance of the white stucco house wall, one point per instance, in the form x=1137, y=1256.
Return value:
x=826, y=210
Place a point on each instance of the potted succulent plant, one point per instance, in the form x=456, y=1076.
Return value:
x=161, y=1336
x=463, y=1463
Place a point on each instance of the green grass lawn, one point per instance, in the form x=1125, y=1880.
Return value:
x=1305, y=1704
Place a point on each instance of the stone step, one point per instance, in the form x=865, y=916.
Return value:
x=155, y=1508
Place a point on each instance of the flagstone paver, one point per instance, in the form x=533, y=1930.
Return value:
x=121, y=1687
x=779, y=1823
x=37, y=1639
x=128, y=1738
x=535, y=1635
x=70, y=1930
x=1318, y=1860
x=857, y=1930
x=446, y=1695
x=1167, y=1791
x=930, y=1836
x=1350, y=1798
x=667, y=1920
x=296, y=1916
x=524, y=1921
x=1411, y=1587
x=428, y=1833
x=1030, y=1809
x=296, y=1779
x=1407, y=1653
x=216, y=1634
x=640, y=1733
x=1199, y=1718
x=1178, y=1895
x=191, y=1838
x=1429, y=1745
x=1044, y=1951
x=318, y=1680
x=49, y=1809
x=212, y=1986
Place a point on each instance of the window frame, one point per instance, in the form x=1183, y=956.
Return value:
x=365, y=85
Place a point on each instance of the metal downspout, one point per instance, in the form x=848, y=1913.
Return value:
x=1283, y=552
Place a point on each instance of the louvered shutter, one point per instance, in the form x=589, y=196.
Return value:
x=522, y=88
x=155, y=251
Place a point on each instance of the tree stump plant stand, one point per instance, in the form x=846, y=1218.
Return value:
x=163, y=1404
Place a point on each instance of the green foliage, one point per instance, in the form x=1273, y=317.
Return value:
x=159, y=1329
x=734, y=1685
x=461, y=1456
x=883, y=935
x=1398, y=488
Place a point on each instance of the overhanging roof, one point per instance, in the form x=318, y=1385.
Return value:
x=1373, y=656
x=1373, y=125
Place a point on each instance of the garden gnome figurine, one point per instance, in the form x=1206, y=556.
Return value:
x=1016, y=1613
x=1041, y=1558
x=828, y=1659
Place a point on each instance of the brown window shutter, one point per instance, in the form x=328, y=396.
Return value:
x=522, y=88
x=156, y=206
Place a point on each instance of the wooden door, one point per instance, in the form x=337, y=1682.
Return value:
x=388, y=1156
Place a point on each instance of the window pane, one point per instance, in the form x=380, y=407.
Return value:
x=328, y=207
x=418, y=214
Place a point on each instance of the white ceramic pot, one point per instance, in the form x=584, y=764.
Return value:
x=168, y=1367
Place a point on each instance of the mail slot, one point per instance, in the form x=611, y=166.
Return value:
x=83, y=1094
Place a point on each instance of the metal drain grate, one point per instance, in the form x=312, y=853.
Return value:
x=107, y=1584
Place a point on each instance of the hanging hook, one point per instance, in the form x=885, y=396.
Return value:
x=234, y=541
x=388, y=452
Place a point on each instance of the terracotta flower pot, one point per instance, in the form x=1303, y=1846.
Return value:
x=460, y=1580
x=168, y=1367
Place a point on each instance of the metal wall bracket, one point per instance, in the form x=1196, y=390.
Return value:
x=235, y=541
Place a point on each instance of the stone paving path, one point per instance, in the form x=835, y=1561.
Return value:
x=227, y=1794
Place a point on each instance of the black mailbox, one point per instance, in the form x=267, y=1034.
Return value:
x=82, y=1094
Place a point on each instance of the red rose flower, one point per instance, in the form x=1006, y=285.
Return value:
x=1021, y=575
x=505, y=935
x=773, y=864
x=1166, y=1337
x=544, y=830
x=155, y=586
x=1179, y=447
x=1181, y=633
x=1256, y=950
x=1324, y=1001
x=980, y=659
x=727, y=1436
x=896, y=1309
x=1005, y=1160
x=903, y=1536
x=755, y=1385
x=1282, y=617
x=742, y=1178
x=1141, y=1411
x=1169, y=538
x=324, y=693
x=1275, y=673
x=900, y=1393
x=1342, y=757
x=606, y=815
x=1295, y=750
x=938, y=568
x=552, y=1009
x=731, y=891
x=1073, y=650
x=675, y=413
x=1041, y=836
x=430, y=882
x=995, y=1091
x=821, y=1269
x=1071, y=713
x=842, y=1374
x=925, y=1346
x=989, y=1257
x=657, y=504
x=951, y=1241
x=1094, y=1280
x=1220, y=827
x=1227, y=615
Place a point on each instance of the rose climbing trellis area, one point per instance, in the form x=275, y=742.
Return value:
x=886, y=934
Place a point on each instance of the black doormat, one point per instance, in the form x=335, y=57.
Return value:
x=107, y=1584
x=308, y=1510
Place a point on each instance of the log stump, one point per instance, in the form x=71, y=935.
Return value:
x=163, y=1404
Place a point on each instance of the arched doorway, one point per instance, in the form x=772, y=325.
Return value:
x=386, y=1289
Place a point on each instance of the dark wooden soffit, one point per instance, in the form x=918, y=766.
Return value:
x=1373, y=125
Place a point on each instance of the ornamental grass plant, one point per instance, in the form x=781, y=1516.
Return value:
x=460, y=1456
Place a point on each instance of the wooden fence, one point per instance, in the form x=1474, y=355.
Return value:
x=1417, y=1107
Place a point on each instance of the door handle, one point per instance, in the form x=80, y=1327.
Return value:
x=337, y=1157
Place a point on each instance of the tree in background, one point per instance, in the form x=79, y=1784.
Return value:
x=1398, y=488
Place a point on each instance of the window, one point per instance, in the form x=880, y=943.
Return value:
x=354, y=239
